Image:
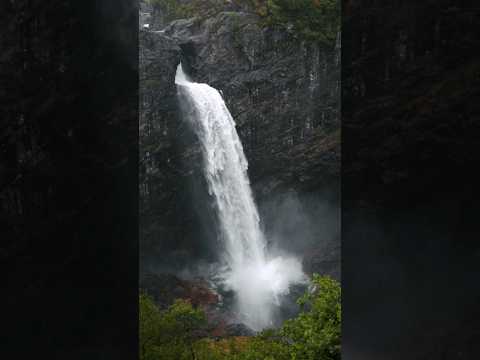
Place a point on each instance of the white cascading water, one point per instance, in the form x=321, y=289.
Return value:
x=257, y=280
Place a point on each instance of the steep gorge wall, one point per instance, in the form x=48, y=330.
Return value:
x=284, y=96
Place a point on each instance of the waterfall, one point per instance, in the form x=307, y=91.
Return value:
x=257, y=279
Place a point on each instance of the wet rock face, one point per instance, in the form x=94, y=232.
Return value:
x=157, y=124
x=284, y=96
x=282, y=92
x=165, y=288
x=169, y=163
x=324, y=260
x=151, y=17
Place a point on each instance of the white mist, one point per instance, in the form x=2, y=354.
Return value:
x=258, y=280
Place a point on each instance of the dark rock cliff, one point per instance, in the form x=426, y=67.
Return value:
x=284, y=96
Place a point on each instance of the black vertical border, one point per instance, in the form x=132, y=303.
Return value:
x=410, y=155
x=68, y=177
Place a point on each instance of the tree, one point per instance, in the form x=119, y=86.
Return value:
x=149, y=326
x=180, y=323
x=266, y=346
x=315, y=333
x=170, y=334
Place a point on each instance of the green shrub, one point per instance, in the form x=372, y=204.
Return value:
x=169, y=334
x=314, y=20
x=313, y=335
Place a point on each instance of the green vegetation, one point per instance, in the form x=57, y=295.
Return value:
x=172, y=9
x=169, y=334
x=313, y=335
x=314, y=20
x=315, y=332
